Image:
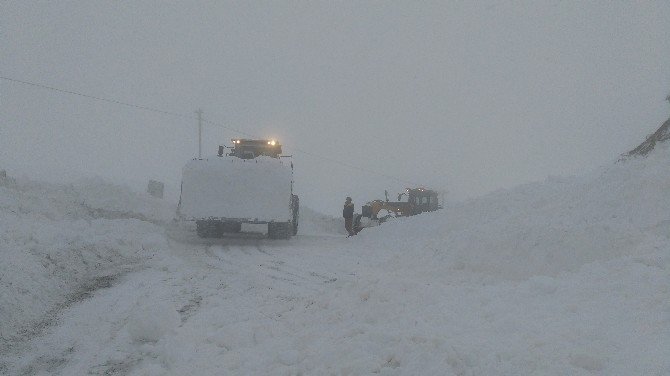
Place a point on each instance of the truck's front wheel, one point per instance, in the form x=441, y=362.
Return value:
x=232, y=227
x=295, y=206
x=280, y=230
x=206, y=229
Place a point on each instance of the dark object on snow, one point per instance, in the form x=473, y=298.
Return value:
x=348, y=210
x=661, y=135
x=348, y=214
x=3, y=174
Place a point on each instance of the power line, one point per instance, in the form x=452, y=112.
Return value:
x=354, y=167
x=98, y=98
x=230, y=129
x=114, y=101
x=189, y=117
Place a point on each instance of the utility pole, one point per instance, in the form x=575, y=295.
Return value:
x=199, y=112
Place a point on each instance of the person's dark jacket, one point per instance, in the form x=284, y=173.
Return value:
x=348, y=211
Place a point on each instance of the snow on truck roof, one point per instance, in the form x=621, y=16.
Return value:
x=235, y=188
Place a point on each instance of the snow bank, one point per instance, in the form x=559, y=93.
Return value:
x=56, y=242
x=233, y=188
x=106, y=200
x=151, y=320
x=315, y=223
x=543, y=228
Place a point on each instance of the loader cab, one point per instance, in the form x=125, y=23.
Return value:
x=422, y=200
x=250, y=149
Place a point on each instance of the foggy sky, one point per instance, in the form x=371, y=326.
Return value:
x=461, y=96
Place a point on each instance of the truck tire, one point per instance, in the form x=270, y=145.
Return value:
x=207, y=229
x=234, y=227
x=294, y=226
x=295, y=206
x=280, y=230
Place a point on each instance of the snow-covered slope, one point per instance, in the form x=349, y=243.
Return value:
x=57, y=241
x=661, y=135
x=544, y=228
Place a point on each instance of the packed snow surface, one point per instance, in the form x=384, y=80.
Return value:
x=570, y=276
x=232, y=188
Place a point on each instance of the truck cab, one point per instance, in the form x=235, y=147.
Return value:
x=422, y=200
x=250, y=149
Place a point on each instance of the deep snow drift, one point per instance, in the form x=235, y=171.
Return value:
x=567, y=276
x=58, y=241
x=545, y=228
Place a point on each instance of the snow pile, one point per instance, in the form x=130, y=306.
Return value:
x=234, y=188
x=315, y=223
x=112, y=201
x=151, y=320
x=544, y=228
x=88, y=198
x=56, y=244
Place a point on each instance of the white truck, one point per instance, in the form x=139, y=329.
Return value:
x=252, y=183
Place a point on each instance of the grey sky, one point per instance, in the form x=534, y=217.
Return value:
x=463, y=96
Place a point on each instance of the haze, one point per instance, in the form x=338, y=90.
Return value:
x=463, y=97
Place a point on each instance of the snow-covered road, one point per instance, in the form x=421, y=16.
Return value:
x=322, y=305
x=569, y=276
x=245, y=304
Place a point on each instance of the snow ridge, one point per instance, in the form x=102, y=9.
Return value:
x=58, y=241
x=545, y=228
x=661, y=135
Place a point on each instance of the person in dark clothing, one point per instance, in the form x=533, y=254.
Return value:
x=348, y=214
